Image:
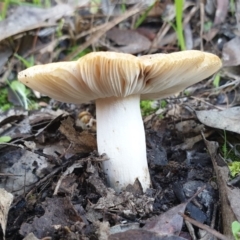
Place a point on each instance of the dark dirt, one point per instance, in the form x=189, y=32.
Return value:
x=83, y=198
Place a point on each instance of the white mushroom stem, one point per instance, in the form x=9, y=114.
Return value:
x=120, y=134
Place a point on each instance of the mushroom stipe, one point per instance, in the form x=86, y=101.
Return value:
x=117, y=82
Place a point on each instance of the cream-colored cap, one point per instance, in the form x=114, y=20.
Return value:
x=106, y=74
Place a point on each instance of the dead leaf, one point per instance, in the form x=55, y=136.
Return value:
x=18, y=130
x=12, y=116
x=83, y=142
x=58, y=211
x=31, y=236
x=227, y=119
x=132, y=41
x=26, y=166
x=105, y=27
x=231, y=53
x=6, y=199
x=123, y=227
x=220, y=16
x=194, y=211
x=141, y=234
x=167, y=223
x=148, y=33
x=190, y=142
x=67, y=181
x=102, y=230
x=5, y=53
x=229, y=195
x=28, y=18
x=46, y=115
x=189, y=127
x=221, y=11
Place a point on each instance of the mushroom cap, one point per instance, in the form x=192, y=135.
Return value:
x=107, y=74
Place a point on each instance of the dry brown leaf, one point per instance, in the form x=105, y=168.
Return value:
x=220, y=16
x=57, y=211
x=31, y=236
x=83, y=142
x=6, y=199
x=139, y=234
x=227, y=119
x=167, y=223
x=105, y=27
x=231, y=52
x=221, y=11
x=229, y=195
x=25, y=166
x=130, y=40
x=27, y=18
x=5, y=53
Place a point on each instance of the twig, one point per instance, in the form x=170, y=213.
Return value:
x=191, y=230
x=202, y=18
x=202, y=100
x=41, y=181
x=166, y=26
x=105, y=27
x=11, y=144
x=203, y=226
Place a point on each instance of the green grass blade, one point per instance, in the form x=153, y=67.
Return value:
x=141, y=19
x=179, y=10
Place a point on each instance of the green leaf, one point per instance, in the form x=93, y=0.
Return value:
x=5, y=139
x=216, y=80
x=148, y=107
x=18, y=87
x=163, y=103
x=141, y=19
x=236, y=230
x=28, y=63
x=234, y=168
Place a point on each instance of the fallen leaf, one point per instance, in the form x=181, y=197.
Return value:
x=67, y=181
x=57, y=211
x=148, y=33
x=5, y=53
x=221, y=11
x=229, y=195
x=31, y=236
x=141, y=234
x=123, y=227
x=26, y=168
x=102, y=230
x=6, y=199
x=28, y=18
x=194, y=211
x=134, y=234
x=230, y=53
x=220, y=16
x=12, y=116
x=227, y=119
x=18, y=129
x=83, y=142
x=130, y=40
x=167, y=223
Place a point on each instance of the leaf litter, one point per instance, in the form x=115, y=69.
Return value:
x=6, y=199
x=51, y=165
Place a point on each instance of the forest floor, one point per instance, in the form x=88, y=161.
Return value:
x=52, y=185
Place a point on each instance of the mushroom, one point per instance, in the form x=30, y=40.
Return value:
x=117, y=82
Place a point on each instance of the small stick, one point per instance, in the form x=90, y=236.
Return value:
x=204, y=227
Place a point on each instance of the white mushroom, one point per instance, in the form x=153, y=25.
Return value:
x=117, y=82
